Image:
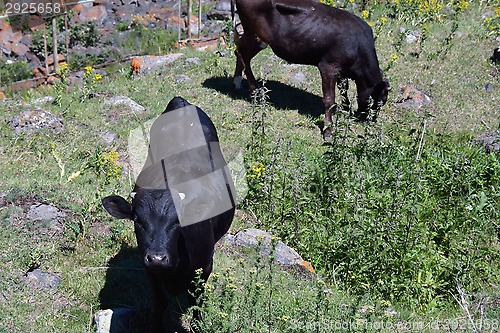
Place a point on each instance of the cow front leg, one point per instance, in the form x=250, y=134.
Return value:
x=246, y=49
x=363, y=102
x=329, y=76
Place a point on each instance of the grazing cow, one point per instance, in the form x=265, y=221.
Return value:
x=307, y=32
x=182, y=205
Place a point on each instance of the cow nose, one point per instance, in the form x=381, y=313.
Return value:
x=156, y=260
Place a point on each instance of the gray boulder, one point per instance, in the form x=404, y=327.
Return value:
x=40, y=279
x=35, y=120
x=263, y=242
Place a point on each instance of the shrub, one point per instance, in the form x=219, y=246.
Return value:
x=84, y=34
x=12, y=71
x=400, y=218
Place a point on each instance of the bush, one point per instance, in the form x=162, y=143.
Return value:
x=400, y=218
x=12, y=71
x=83, y=34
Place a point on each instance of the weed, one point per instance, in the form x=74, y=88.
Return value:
x=61, y=86
x=12, y=71
x=90, y=81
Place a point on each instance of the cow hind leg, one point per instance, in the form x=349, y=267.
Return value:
x=248, y=46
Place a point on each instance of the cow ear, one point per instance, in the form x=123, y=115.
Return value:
x=118, y=207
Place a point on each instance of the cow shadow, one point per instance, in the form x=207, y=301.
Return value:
x=127, y=292
x=282, y=96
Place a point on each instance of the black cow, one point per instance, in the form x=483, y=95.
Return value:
x=307, y=32
x=167, y=191
x=495, y=58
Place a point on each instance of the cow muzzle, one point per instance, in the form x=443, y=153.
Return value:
x=158, y=261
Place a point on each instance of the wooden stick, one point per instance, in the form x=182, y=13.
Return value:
x=54, y=39
x=199, y=18
x=189, y=13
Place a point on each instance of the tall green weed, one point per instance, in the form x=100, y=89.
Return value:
x=402, y=214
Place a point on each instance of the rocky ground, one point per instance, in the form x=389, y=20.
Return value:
x=17, y=33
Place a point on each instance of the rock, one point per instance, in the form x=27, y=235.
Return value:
x=108, y=137
x=124, y=102
x=490, y=141
x=193, y=61
x=95, y=13
x=412, y=36
x=150, y=63
x=174, y=21
x=204, y=45
x=44, y=212
x=19, y=49
x=41, y=279
x=219, y=15
x=193, y=22
x=114, y=320
x=298, y=77
x=263, y=241
x=222, y=11
x=43, y=100
x=50, y=59
x=182, y=78
x=29, y=121
x=413, y=98
x=223, y=5
x=488, y=87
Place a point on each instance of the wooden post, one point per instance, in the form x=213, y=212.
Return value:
x=54, y=39
x=179, y=25
x=199, y=19
x=66, y=30
x=189, y=13
x=45, y=47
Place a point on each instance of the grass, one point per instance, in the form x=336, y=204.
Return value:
x=397, y=218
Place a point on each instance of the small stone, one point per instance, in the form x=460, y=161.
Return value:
x=108, y=137
x=412, y=36
x=43, y=212
x=149, y=64
x=114, y=320
x=298, y=77
x=413, y=98
x=126, y=102
x=43, y=100
x=41, y=279
x=193, y=61
x=29, y=121
x=262, y=240
x=490, y=141
x=182, y=78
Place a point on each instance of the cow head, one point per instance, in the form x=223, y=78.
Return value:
x=371, y=99
x=156, y=224
x=380, y=93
